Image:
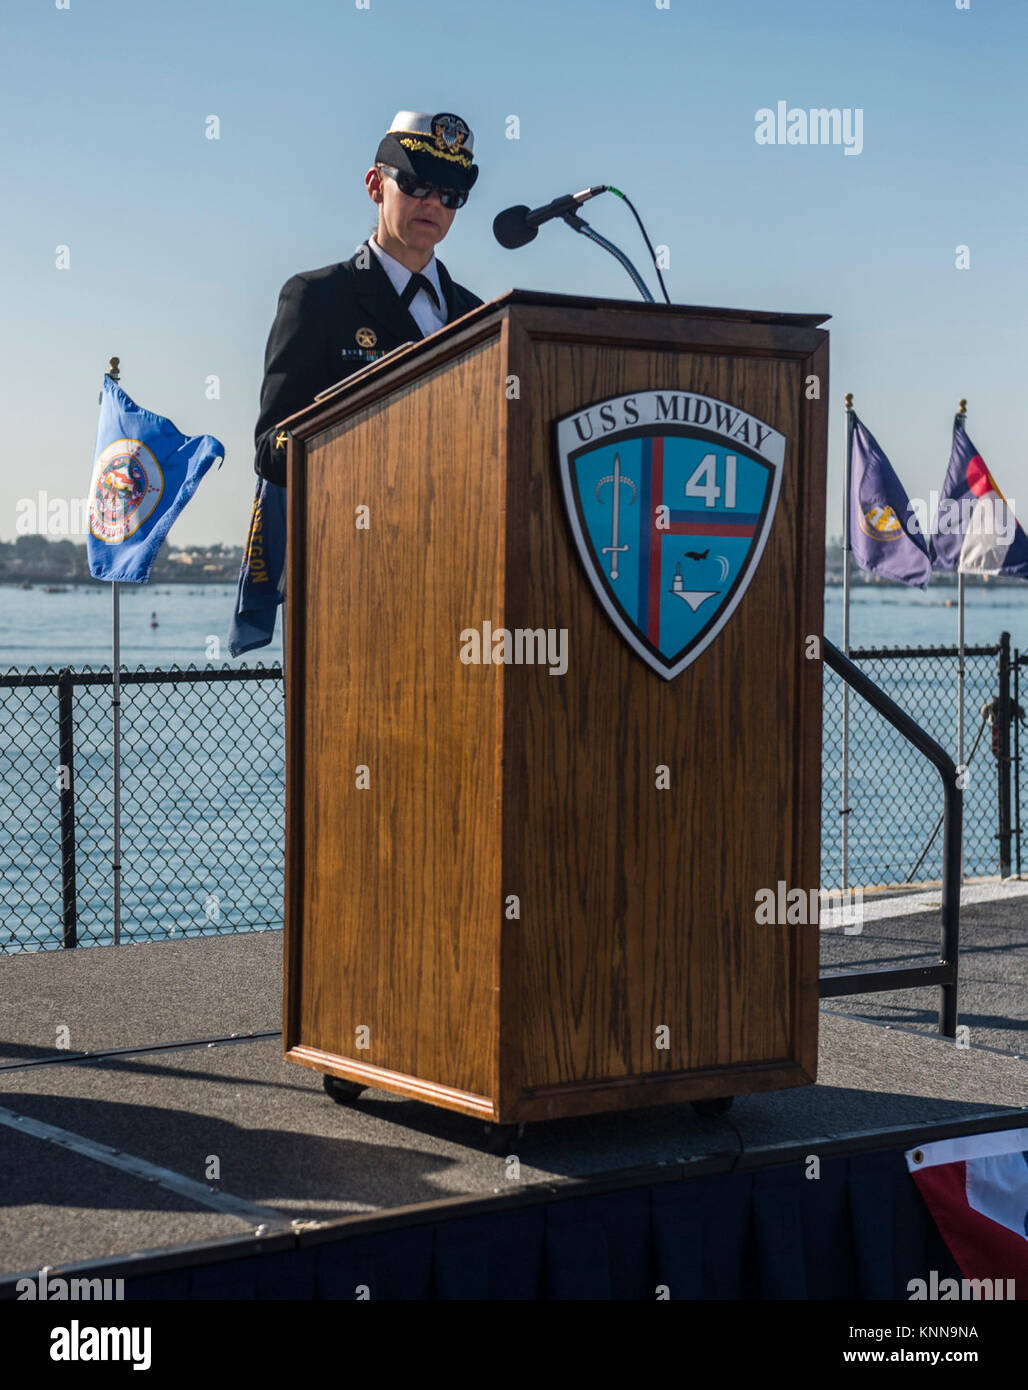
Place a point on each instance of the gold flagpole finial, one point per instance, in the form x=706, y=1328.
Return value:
x=963, y=407
x=112, y=368
x=849, y=400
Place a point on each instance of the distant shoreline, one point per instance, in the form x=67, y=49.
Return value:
x=57, y=581
x=859, y=580
x=946, y=579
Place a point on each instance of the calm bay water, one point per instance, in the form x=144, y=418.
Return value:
x=203, y=765
x=74, y=628
x=888, y=616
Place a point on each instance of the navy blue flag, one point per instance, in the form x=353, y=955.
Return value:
x=885, y=537
x=144, y=473
x=975, y=528
x=259, y=591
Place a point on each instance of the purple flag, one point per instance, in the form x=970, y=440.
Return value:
x=884, y=534
x=975, y=529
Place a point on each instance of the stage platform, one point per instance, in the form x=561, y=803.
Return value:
x=114, y=1154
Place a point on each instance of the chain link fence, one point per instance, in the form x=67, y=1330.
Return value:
x=202, y=778
x=203, y=775
x=893, y=809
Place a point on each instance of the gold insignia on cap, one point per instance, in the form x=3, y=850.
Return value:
x=449, y=131
x=366, y=337
x=461, y=157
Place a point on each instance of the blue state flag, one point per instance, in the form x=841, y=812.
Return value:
x=885, y=537
x=259, y=590
x=144, y=473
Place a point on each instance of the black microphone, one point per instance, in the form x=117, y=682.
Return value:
x=519, y=225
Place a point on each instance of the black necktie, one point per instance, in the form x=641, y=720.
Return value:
x=418, y=282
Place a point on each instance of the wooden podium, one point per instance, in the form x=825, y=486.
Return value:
x=524, y=894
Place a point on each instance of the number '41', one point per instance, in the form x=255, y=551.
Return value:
x=703, y=482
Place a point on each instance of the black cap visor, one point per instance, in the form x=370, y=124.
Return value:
x=443, y=168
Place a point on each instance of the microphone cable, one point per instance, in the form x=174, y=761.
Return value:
x=649, y=244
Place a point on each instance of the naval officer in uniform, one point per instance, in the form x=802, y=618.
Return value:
x=332, y=321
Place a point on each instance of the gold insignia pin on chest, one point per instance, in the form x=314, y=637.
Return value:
x=366, y=337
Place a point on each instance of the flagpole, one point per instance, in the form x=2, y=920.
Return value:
x=960, y=667
x=961, y=417
x=846, y=640
x=116, y=706
x=115, y=375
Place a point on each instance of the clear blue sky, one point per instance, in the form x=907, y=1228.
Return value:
x=179, y=244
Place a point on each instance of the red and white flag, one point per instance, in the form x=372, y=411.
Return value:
x=977, y=1190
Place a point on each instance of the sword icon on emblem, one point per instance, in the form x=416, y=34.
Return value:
x=615, y=478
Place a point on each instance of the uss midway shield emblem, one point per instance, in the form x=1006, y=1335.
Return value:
x=670, y=497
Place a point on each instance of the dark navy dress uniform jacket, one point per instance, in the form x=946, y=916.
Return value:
x=313, y=341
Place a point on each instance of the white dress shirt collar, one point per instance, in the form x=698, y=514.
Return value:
x=423, y=311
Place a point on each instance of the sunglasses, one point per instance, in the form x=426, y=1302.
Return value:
x=415, y=188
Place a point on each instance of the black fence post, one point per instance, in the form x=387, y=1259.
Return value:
x=952, y=880
x=1018, y=660
x=66, y=782
x=1003, y=711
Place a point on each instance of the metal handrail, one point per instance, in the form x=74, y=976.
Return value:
x=835, y=984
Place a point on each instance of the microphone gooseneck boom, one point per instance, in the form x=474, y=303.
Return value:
x=517, y=226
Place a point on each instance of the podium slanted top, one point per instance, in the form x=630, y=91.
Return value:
x=475, y=324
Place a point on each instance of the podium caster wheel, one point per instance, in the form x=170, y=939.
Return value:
x=709, y=1108
x=342, y=1092
x=499, y=1138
